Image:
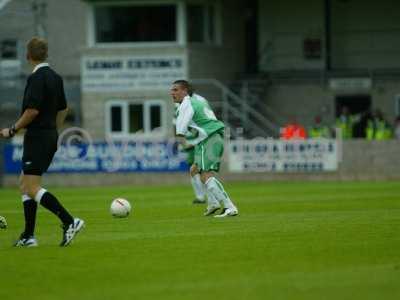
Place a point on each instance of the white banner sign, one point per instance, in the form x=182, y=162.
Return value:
x=131, y=73
x=270, y=155
x=350, y=84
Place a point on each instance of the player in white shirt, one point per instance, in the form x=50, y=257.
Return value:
x=196, y=115
x=198, y=187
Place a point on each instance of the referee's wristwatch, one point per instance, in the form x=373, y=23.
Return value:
x=12, y=131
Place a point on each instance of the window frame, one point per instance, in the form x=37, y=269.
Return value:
x=17, y=49
x=11, y=68
x=217, y=20
x=179, y=25
x=125, y=134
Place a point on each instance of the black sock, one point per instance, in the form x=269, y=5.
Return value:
x=51, y=203
x=30, y=207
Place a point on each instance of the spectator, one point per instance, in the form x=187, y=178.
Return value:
x=319, y=130
x=378, y=128
x=346, y=122
x=293, y=130
x=360, y=128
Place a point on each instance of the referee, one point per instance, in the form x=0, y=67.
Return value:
x=44, y=109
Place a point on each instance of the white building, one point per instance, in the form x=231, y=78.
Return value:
x=275, y=59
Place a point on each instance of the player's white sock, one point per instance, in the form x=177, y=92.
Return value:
x=211, y=200
x=198, y=187
x=217, y=190
x=39, y=195
x=25, y=198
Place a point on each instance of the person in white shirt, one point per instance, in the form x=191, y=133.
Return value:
x=208, y=142
x=198, y=187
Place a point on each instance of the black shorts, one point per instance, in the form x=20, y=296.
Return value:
x=39, y=149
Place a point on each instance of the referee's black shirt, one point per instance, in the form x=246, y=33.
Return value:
x=44, y=91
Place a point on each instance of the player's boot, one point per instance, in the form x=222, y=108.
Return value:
x=26, y=242
x=228, y=212
x=211, y=209
x=3, y=222
x=70, y=231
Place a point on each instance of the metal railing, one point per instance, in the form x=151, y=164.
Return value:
x=253, y=98
x=234, y=105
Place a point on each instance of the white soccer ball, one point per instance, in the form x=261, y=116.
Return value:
x=120, y=208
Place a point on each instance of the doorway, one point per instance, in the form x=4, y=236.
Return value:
x=359, y=105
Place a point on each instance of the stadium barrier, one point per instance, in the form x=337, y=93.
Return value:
x=160, y=162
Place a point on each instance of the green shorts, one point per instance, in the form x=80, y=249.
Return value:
x=208, y=153
x=190, y=156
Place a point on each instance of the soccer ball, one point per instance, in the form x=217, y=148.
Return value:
x=120, y=208
x=3, y=222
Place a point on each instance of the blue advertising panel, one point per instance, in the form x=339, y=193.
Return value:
x=106, y=157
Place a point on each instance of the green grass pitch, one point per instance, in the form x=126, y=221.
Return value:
x=291, y=241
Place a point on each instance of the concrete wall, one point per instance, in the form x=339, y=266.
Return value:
x=362, y=160
x=305, y=99
x=67, y=32
x=65, y=28
x=365, y=34
x=65, y=24
x=283, y=27
x=225, y=60
x=17, y=22
x=301, y=100
x=383, y=96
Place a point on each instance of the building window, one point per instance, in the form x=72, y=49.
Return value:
x=201, y=23
x=155, y=117
x=116, y=118
x=124, y=118
x=135, y=120
x=129, y=24
x=10, y=63
x=9, y=49
x=312, y=48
